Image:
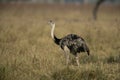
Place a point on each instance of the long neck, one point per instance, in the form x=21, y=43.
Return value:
x=52, y=31
x=56, y=40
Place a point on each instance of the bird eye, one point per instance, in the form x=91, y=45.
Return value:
x=50, y=20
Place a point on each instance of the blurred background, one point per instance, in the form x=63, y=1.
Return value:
x=60, y=1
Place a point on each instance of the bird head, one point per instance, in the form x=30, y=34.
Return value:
x=51, y=23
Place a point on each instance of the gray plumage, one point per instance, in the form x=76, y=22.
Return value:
x=75, y=43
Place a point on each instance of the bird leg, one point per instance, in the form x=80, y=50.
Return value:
x=77, y=59
x=67, y=58
x=67, y=51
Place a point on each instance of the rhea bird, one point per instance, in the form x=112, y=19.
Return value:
x=71, y=43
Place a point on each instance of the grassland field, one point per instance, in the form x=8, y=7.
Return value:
x=27, y=51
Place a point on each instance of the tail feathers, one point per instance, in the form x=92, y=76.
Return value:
x=88, y=52
x=86, y=49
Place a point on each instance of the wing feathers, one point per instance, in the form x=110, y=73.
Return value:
x=74, y=43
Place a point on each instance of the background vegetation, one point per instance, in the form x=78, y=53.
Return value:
x=27, y=51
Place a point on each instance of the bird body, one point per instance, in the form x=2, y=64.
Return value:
x=74, y=43
x=71, y=43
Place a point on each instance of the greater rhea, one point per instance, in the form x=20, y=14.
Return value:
x=71, y=43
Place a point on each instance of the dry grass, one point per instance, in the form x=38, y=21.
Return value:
x=27, y=51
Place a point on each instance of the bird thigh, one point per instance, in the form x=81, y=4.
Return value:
x=77, y=59
x=67, y=51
